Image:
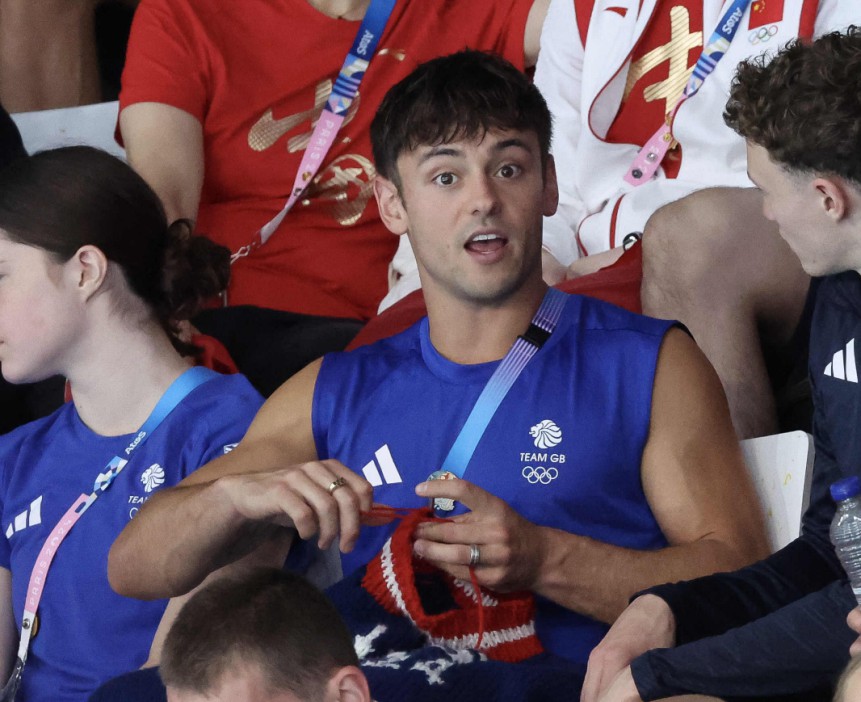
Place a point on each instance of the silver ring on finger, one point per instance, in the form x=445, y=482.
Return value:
x=474, y=555
x=335, y=484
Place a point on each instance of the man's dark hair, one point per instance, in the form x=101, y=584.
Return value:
x=458, y=96
x=804, y=105
x=275, y=620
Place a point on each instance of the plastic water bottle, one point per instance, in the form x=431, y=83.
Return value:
x=846, y=529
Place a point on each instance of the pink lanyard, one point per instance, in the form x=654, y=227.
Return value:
x=343, y=93
x=649, y=158
x=172, y=397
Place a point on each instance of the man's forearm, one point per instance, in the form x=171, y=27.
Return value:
x=178, y=538
x=598, y=579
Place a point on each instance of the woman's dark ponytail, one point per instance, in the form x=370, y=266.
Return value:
x=63, y=199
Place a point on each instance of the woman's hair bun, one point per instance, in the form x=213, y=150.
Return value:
x=194, y=270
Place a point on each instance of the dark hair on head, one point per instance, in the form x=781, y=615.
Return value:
x=804, y=105
x=462, y=95
x=275, y=620
x=63, y=199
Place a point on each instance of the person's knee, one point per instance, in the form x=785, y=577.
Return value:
x=714, y=244
x=682, y=241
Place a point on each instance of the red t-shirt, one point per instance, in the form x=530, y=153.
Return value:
x=661, y=64
x=252, y=72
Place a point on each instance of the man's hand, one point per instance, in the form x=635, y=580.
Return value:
x=622, y=689
x=854, y=622
x=647, y=623
x=512, y=549
x=320, y=497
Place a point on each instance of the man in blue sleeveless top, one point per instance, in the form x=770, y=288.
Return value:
x=609, y=466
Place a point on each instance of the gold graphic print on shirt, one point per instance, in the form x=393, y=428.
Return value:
x=682, y=40
x=347, y=182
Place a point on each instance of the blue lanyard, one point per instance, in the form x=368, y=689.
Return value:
x=508, y=370
x=331, y=119
x=649, y=158
x=717, y=45
x=175, y=394
x=356, y=63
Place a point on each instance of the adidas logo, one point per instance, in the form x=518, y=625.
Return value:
x=843, y=365
x=384, y=463
x=29, y=517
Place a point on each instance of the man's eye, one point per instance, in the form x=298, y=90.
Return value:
x=509, y=170
x=445, y=179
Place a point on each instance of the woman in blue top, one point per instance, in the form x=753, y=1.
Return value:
x=92, y=284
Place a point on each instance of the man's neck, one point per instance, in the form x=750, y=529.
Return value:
x=341, y=9
x=474, y=333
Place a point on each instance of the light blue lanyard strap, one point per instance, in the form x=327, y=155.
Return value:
x=331, y=119
x=508, y=370
x=176, y=393
x=717, y=45
x=356, y=63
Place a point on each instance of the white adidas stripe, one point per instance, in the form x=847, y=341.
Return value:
x=386, y=463
x=843, y=365
x=35, y=512
x=29, y=517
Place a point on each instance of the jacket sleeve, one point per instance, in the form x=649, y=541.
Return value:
x=559, y=75
x=799, y=647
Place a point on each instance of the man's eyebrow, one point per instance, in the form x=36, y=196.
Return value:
x=440, y=150
x=513, y=141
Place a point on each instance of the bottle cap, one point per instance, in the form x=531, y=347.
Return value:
x=846, y=488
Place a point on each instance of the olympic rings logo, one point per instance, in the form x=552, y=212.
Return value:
x=539, y=474
x=762, y=34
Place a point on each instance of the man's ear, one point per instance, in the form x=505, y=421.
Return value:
x=87, y=270
x=391, y=207
x=551, y=187
x=348, y=684
x=833, y=197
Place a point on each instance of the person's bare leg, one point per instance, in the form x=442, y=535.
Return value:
x=48, y=54
x=712, y=261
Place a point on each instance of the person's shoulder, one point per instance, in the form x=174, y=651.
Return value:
x=839, y=288
x=220, y=388
x=35, y=435
x=368, y=366
x=597, y=315
x=179, y=10
x=836, y=306
x=213, y=418
x=387, y=350
x=38, y=428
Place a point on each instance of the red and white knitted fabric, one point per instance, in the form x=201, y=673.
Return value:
x=502, y=626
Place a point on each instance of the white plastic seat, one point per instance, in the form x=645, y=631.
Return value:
x=92, y=125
